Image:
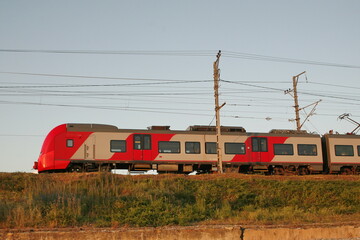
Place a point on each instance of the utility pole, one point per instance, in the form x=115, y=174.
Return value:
x=297, y=119
x=217, y=112
x=297, y=109
x=297, y=115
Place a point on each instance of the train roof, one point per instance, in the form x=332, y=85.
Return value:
x=196, y=129
x=328, y=135
x=206, y=128
x=89, y=127
x=288, y=131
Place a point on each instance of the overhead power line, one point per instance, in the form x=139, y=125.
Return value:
x=186, y=53
x=167, y=81
x=251, y=56
x=20, y=135
x=251, y=85
x=97, y=77
x=193, y=112
x=334, y=85
x=192, y=53
x=302, y=92
x=100, y=85
x=152, y=110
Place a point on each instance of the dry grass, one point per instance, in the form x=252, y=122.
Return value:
x=105, y=200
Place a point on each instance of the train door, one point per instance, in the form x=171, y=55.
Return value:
x=89, y=148
x=142, y=147
x=259, y=147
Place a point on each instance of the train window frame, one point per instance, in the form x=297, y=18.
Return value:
x=358, y=148
x=146, y=142
x=113, y=149
x=307, y=152
x=263, y=145
x=259, y=144
x=69, y=143
x=177, y=143
x=143, y=142
x=241, y=147
x=192, y=149
x=208, y=146
x=340, y=154
x=137, y=142
x=276, y=150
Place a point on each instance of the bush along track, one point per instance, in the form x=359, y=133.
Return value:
x=106, y=200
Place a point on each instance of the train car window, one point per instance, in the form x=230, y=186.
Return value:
x=358, y=147
x=283, y=149
x=255, y=145
x=307, y=149
x=117, y=146
x=344, y=150
x=137, y=142
x=142, y=142
x=263, y=145
x=210, y=147
x=147, y=142
x=259, y=144
x=192, y=147
x=169, y=147
x=70, y=143
x=235, y=148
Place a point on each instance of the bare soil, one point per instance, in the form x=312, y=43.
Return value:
x=226, y=232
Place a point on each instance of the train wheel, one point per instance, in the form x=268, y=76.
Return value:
x=76, y=168
x=290, y=169
x=278, y=171
x=346, y=171
x=303, y=171
x=104, y=168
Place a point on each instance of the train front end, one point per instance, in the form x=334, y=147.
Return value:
x=46, y=160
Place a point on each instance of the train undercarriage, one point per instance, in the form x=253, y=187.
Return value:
x=207, y=168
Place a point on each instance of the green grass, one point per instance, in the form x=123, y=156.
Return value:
x=105, y=200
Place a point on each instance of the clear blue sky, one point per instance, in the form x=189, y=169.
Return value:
x=139, y=89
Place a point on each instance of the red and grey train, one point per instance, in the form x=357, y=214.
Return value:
x=98, y=147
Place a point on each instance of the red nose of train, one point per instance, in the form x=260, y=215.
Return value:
x=46, y=161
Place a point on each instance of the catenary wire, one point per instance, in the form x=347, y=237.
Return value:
x=186, y=53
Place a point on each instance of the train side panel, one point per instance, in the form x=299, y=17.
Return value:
x=297, y=151
x=91, y=146
x=204, y=153
x=98, y=147
x=343, y=153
